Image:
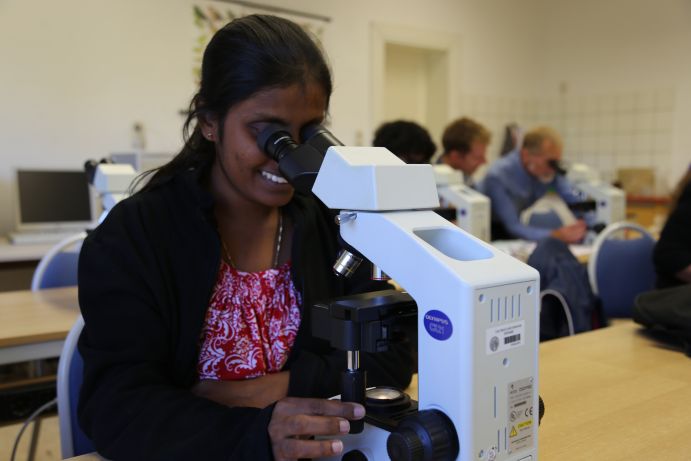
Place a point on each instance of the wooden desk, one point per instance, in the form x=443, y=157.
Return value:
x=34, y=324
x=612, y=394
x=648, y=211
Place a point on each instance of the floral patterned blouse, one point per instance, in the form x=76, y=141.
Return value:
x=251, y=324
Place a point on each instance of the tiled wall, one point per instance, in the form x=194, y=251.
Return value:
x=605, y=131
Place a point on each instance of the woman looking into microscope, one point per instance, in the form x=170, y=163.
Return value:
x=196, y=290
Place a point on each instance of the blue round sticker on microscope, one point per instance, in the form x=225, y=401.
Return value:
x=438, y=325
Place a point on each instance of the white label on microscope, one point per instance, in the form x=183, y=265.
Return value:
x=521, y=416
x=504, y=337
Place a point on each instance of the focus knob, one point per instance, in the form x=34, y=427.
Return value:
x=405, y=445
x=427, y=435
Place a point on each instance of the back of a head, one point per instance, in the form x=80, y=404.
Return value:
x=535, y=138
x=409, y=141
x=247, y=55
x=460, y=135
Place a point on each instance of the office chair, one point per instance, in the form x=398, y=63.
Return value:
x=621, y=266
x=561, y=322
x=73, y=442
x=58, y=267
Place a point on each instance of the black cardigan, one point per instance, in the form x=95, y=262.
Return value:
x=145, y=279
x=673, y=249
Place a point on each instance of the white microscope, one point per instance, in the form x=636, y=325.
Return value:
x=477, y=308
x=472, y=207
x=112, y=182
x=610, y=201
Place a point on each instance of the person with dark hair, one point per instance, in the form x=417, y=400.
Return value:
x=518, y=180
x=465, y=146
x=407, y=140
x=672, y=254
x=196, y=291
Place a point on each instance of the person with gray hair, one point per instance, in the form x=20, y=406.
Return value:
x=517, y=180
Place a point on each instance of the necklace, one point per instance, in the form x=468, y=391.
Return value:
x=277, y=248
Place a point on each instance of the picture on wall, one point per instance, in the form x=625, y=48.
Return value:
x=210, y=16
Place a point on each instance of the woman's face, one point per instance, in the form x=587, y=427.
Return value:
x=251, y=177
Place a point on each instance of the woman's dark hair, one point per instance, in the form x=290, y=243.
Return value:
x=247, y=55
x=679, y=190
x=408, y=140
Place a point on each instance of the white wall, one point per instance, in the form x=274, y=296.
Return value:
x=637, y=54
x=77, y=74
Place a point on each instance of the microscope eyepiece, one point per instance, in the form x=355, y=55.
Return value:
x=90, y=168
x=299, y=164
x=319, y=137
x=557, y=167
x=275, y=140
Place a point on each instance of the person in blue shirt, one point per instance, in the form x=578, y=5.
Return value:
x=517, y=180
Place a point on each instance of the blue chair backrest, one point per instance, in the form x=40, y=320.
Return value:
x=58, y=267
x=62, y=271
x=73, y=441
x=624, y=269
x=81, y=444
x=547, y=220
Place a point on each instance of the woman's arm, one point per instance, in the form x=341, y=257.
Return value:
x=133, y=404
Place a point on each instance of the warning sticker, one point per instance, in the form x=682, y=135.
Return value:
x=501, y=338
x=521, y=418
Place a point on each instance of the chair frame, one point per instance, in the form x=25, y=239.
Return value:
x=600, y=240
x=564, y=305
x=43, y=265
x=63, y=390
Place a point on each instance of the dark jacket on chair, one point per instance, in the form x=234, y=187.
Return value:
x=145, y=280
x=560, y=271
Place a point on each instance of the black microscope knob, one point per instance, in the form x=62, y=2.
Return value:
x=541, y=410
x=405, y=445
x=427, y=435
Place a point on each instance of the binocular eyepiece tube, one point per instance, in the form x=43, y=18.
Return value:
x=298, y=163
x=276, y=142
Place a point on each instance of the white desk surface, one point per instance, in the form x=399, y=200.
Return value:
x=35, y=323
x=521, y=249
x=18, y=253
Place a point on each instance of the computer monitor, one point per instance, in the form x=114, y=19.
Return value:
x=53, y=201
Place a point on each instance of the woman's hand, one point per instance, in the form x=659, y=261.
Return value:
x=296, y=420
x=258, y=392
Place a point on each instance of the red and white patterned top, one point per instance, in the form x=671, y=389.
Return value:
x=251, y=324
